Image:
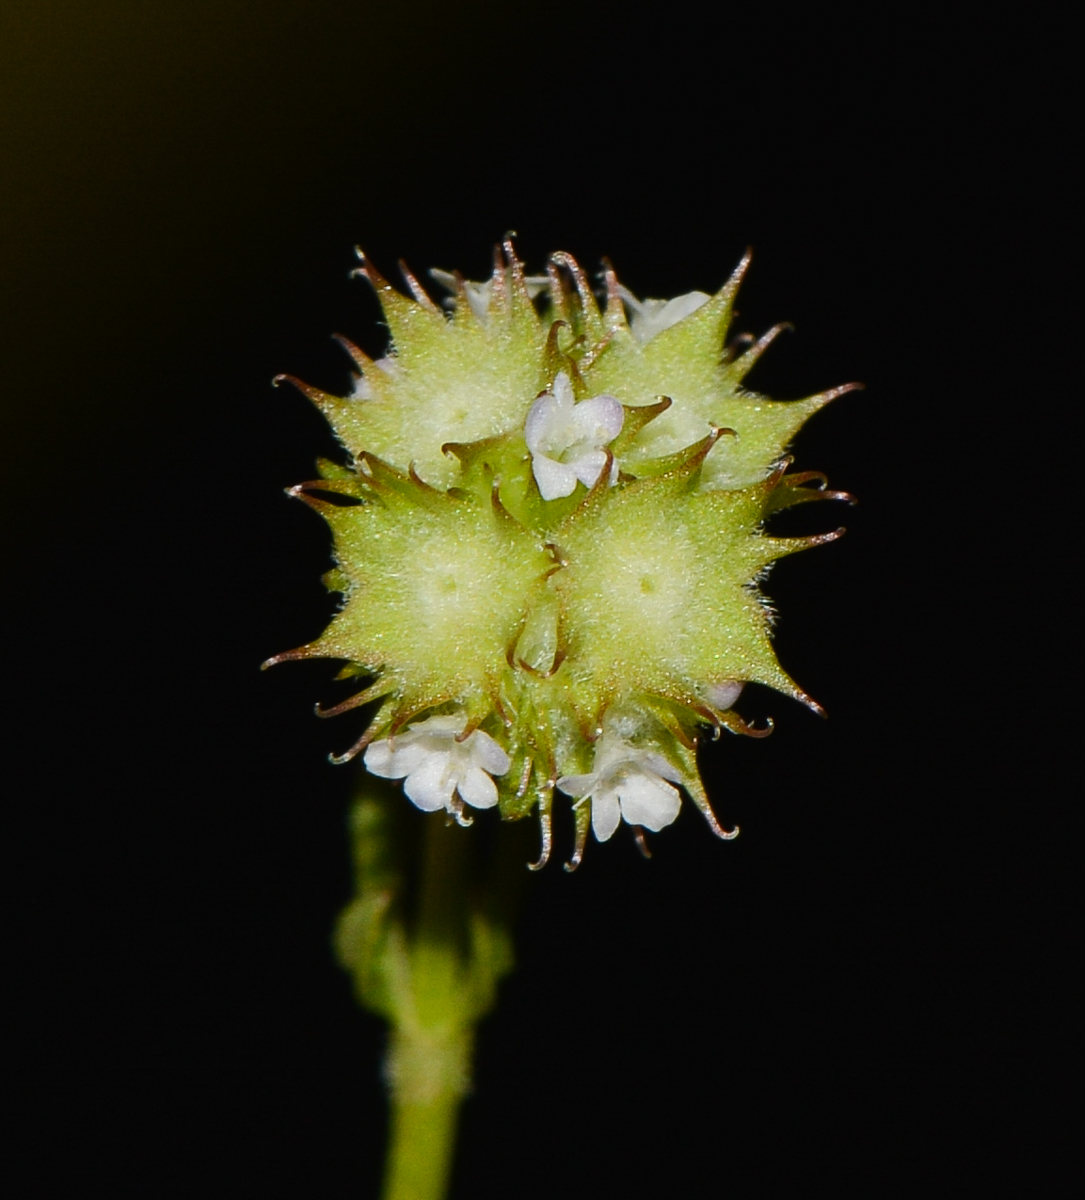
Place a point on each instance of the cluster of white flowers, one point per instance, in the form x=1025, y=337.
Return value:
x=626, y=782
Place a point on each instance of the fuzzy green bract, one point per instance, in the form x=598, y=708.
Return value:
x=549, y=536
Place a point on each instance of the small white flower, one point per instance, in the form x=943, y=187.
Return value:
x=441, y=772
x=722, y=695
x=479, y=295
x=653, y=316
x=626, y=782
x=566, y=439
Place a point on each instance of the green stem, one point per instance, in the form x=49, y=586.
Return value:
x=429, y=1061
x=421, y=1143
x=432, y=973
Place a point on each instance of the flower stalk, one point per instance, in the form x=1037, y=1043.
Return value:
x=429, y=964
x=429, y=1057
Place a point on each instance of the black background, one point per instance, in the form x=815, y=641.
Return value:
x=866, y=989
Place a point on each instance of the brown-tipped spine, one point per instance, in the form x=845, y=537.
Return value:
x=745, y=362
x=583, y=822
x=361, y=360
x=416, y=289
x=302, y=652
x=636, y=417
x=319, y=398
x=614, y=316
x=546, y=798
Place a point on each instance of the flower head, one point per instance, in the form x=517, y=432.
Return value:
x=441, y=771
x=520, y=632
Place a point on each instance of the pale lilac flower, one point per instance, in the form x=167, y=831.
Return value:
x=626, y=782
x=566, y=439
x=441, y=772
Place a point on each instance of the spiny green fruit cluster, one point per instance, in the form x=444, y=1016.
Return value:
x=549, y=537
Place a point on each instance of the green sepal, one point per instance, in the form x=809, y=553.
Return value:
x=790, y=490
x=635, y=420
x=332, y=470
x=336, y=580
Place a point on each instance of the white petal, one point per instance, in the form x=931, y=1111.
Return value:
x=598, y=420
x=378, y=759
x=610, y=752
x=681, y=307
x=563, y=390
x=605, y=813
x=478, y=789
x=657, y=764
x=588, y=467
x=535, y=284
x=487, y=754
x=653, y=316
x=431, y=786
x=381, y=759
x=541, y=419
x=446, y=279
x=478, y=297
x=623, y=291
x=723, y=695
x=577, y=785
x=447, y=723
x=648, y=801
x=554, y=479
